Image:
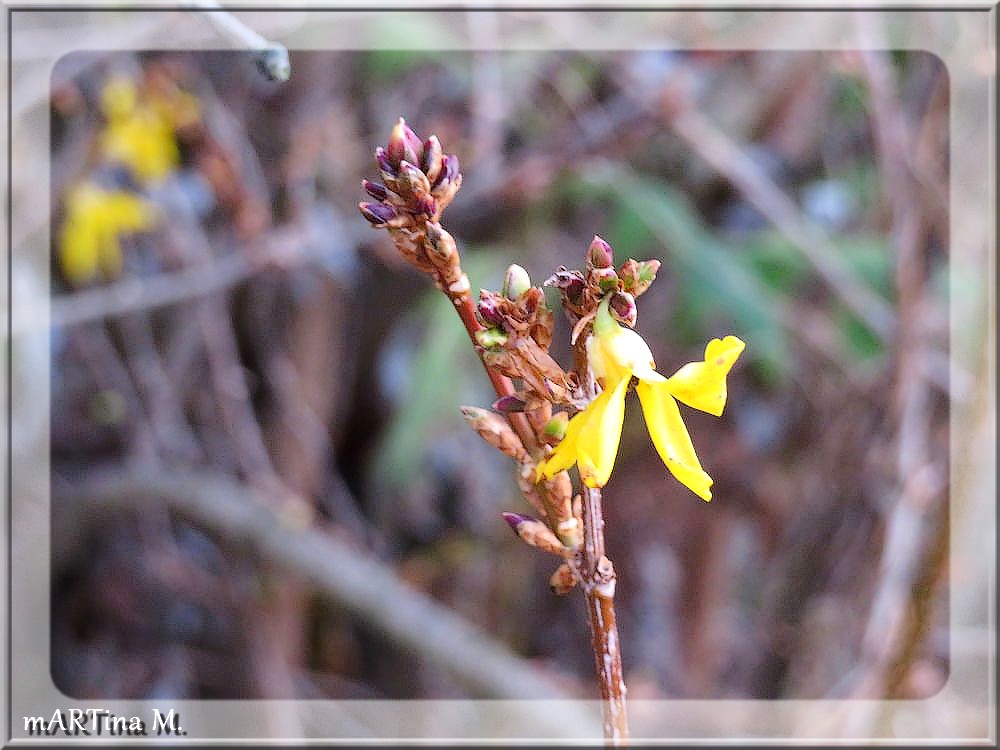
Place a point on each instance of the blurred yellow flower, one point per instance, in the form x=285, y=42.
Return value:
x=89, y=240
x=616, y=354
x=138, y=134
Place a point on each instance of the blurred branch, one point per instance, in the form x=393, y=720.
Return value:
x=143, y=293
x=733, y=163
x=271, y=57
x=364, y=586
x=907, y=566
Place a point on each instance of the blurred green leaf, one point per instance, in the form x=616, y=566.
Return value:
x=385, y=66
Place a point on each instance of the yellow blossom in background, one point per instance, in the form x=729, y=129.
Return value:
x=89, y=241
x=138, y=134
x=615, y=355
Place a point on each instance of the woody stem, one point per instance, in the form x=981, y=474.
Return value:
x=598, y=586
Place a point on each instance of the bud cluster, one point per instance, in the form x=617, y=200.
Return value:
x=582, y=291
x=418, y=183
x=512, y=329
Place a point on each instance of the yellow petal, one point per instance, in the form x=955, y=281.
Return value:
x=670, y=436
x=597, y=444
x=78, y=251
x=702, y=385
x=621, y=352
x=564, y=455
x=118, y=98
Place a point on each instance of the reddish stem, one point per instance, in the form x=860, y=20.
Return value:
x=501, y=384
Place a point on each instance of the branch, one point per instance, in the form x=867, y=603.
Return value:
x=364, y=586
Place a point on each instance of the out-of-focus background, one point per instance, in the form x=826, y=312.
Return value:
x=261, y=482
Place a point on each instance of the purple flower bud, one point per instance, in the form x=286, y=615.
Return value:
x=403, y=144
x=449, y=169
x=489, y=311
x=600, y=254
x=426, y=204
x=384, y=164
x=515, y=519
x=376, y=190
x=431, y=159
x=377, y=213
x=622, y=308
x=509, y=404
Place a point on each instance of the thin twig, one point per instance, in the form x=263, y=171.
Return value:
x=732, y=161
x=271, y=57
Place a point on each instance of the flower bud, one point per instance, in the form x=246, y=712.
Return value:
x=379, y=214
x=376, y=190
x=600, y=254
x=426, y=204
x=431, y=158
x=534, y=532
x=440, y=244
x=621, y=305
x=490, y=338
x=531, y=300
x=539, y=416
x=403, y=144
x=563, y=580
x=605, y=278
x=495, y=430
x=515, y=282
x=637, y=276
x=449, y=168
x=560, y=489
x=489, y=310
x=509, y=404
x=570, y=283
x=384, y=163
x=555, y=428
x=412, y=182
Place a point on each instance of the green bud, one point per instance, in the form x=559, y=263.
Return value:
x=606, y=279
x=491, y=338
x=515, y=282
x=556, y=426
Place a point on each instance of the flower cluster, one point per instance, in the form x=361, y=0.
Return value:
x=616, y=355
x=137, y=148
x=546, y=418
x=140, y=127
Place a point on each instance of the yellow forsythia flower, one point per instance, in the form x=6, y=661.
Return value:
x=95, y=219
x=137, y=134
x=616, y=354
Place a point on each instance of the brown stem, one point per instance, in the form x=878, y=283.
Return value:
x=597, y=576
x=608, y=663
x=598, y=584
